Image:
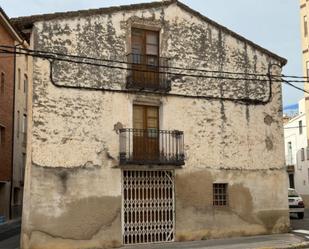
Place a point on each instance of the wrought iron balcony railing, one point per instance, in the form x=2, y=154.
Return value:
x=151, y=146
x=147, y=72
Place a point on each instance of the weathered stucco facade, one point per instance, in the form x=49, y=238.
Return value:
x=232, y=129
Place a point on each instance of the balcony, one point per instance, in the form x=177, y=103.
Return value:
x=289, y=159
x=147, y=72
x=151, y=146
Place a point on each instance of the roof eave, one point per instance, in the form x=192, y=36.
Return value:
x=11, y=28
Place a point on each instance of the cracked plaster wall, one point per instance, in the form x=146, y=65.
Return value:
x=72, y=174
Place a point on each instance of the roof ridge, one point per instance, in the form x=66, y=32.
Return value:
x=17, y=31
x=110, y=9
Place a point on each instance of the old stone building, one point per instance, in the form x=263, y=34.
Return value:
x=128, y=146
x=11, y=103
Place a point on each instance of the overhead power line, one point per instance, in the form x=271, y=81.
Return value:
x=76, y=59
x=53, y=56
x=160, y=66
x=294, y=127
x=81, y=60
x=287, y=82
x=98, y=62
x=47, y=53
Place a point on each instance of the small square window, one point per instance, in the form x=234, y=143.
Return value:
x=220, y=195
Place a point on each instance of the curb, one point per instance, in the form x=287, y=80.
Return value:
x=10, y=223
x=295, y=246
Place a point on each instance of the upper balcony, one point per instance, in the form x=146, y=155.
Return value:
x=147, y=72
x=151, y=147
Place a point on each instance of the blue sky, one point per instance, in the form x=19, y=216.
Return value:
x=273, y=24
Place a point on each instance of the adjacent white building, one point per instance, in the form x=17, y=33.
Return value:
x=297, y=152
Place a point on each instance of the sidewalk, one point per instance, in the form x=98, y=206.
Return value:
x=9, y=229
x=277, y=241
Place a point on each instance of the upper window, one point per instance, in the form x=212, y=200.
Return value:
x=24, y=129
x=300, y=127
x=305, y=26
x=144, y=57
x=26, y=62
x=18, y=123
x=2, y=82
x=25, y=83
x=19, y=78
x=2, y=135
x=302, y=154
x=145, y=42
x=25, y=91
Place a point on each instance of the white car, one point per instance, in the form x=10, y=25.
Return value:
x=296, y=203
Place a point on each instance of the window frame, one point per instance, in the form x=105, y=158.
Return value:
x=18, y=124
x=2, y=135
x=25, y=83
x=300, y=127
x=24, y=129
x=305, y=25
x=220, y=194
x=19, y=78
x=302, y=154
x=2, y=82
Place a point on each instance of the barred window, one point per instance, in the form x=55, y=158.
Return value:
x=220, y=195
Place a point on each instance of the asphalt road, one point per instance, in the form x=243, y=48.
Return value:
x=10, y=243
x=10, y=236
x=301, y=226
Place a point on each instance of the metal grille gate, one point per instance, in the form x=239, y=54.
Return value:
x=148, y=206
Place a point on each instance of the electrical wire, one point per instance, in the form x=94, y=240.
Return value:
x=177, y=74
x=244, y=100
x=130, y=63
x=296, y=87
x=162, y=66
x=165, y=67
x=51, y=57
x=294, y=127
